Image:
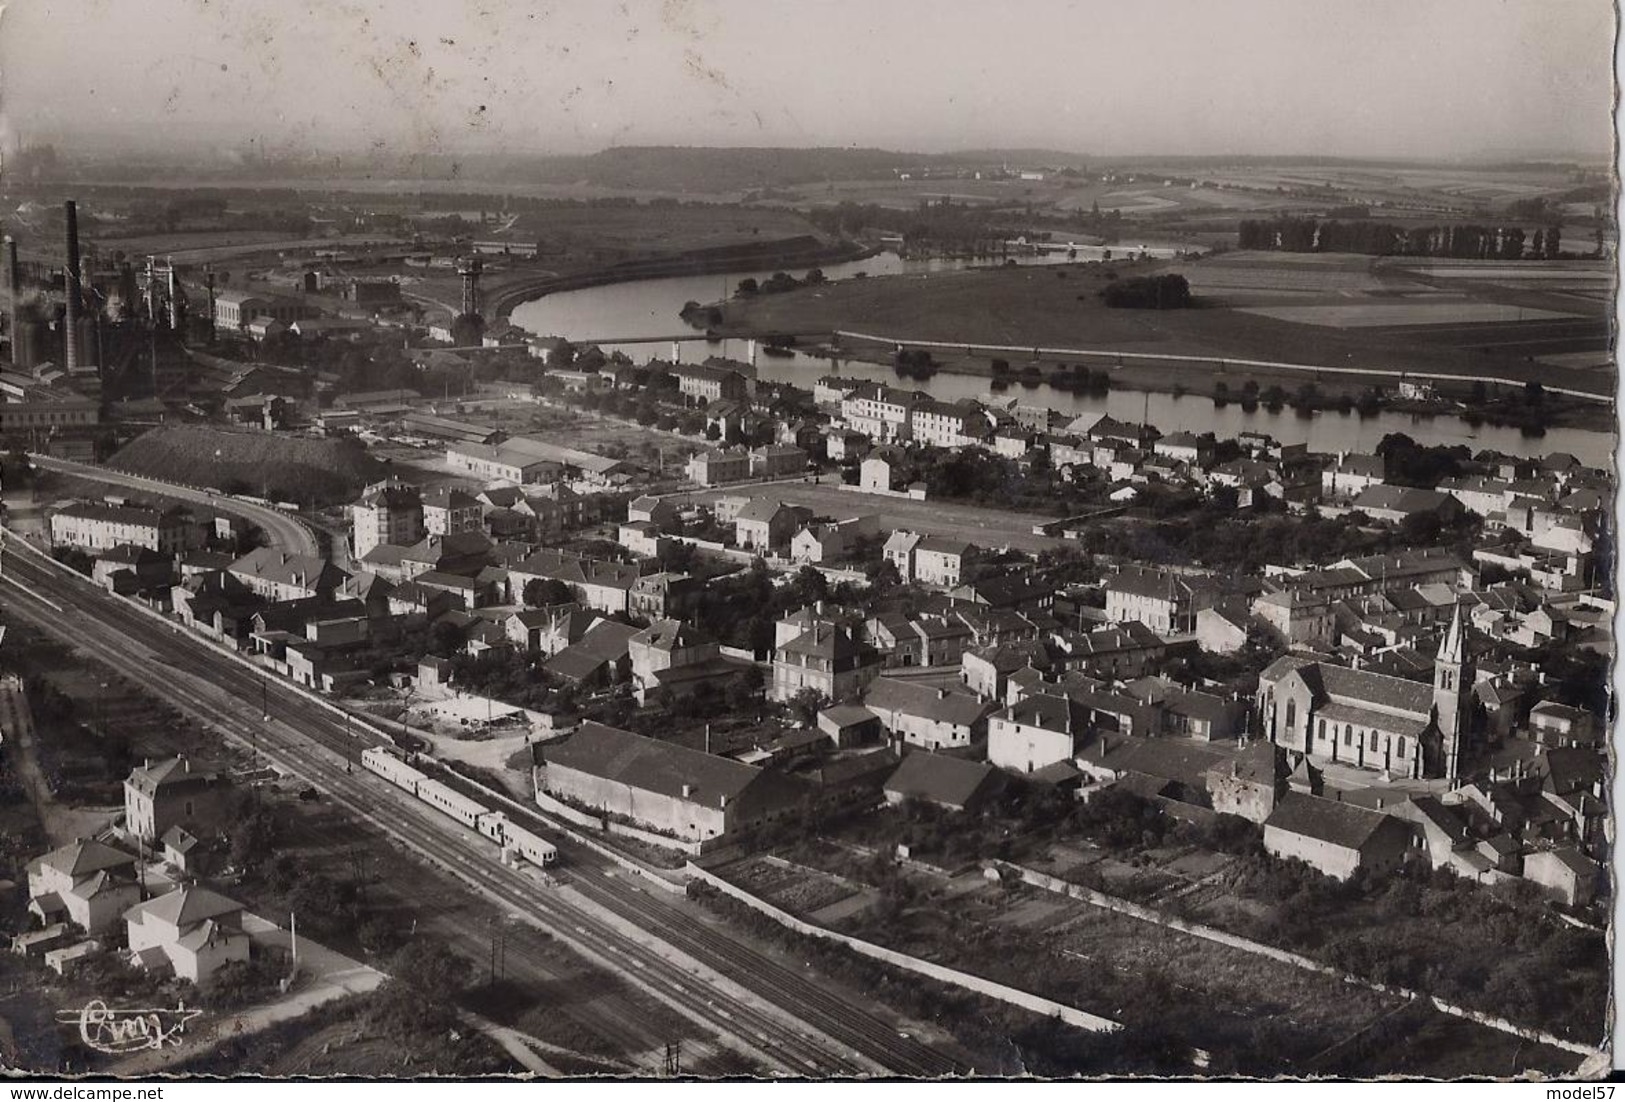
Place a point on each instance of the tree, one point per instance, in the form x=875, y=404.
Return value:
x=425, y=978
x=541, y=592
x=747, y=288
x=806, y=705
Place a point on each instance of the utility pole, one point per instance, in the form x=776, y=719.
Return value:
x=673, y=1066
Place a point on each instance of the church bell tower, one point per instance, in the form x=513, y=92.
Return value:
x=1452, y=684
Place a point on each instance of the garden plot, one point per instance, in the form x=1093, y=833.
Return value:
x=1379, y=315
x=794, y=888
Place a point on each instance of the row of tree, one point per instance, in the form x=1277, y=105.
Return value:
x=1472, y=242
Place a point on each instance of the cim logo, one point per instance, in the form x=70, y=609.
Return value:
x=120, y=1031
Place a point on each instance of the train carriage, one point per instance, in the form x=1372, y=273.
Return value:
x=529, y=846
x=452, y=803
x=384, y=763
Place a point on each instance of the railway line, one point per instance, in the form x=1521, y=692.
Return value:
x=808, y=1032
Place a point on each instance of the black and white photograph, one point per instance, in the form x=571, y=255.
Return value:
x=824, y=542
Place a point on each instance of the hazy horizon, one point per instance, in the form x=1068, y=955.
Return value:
x=1417, y=80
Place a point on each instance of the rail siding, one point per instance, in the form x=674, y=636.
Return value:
x=1223, y=361
x=1072, y=1016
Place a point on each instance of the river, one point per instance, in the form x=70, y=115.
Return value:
x=649, y=308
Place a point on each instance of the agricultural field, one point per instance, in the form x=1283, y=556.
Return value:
x=1489, y=330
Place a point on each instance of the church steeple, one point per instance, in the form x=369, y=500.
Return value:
x=1452, y=681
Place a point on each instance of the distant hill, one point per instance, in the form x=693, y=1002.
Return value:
x=708, y=169
x=280, y=467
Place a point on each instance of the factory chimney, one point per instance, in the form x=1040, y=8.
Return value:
x=208, y=273
x=71, y=288
x=14, y=278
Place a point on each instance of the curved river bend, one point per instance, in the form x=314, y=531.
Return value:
x=649, y=308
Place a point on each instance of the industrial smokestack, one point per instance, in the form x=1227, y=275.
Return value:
x=71, y=287
x=14, y=286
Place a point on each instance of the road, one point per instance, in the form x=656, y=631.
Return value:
x=282, y=530
x=771, y=1015
x=984, y=527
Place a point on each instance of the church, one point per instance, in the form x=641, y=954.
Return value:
x=1402, y=728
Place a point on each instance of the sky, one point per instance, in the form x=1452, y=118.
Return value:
x=1382, y=78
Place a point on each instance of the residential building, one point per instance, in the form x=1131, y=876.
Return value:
x=952, y=783
x=388, y=513
x=712, y=468
x=767, y=525
x=447, y=510
x=824, y=658
x=941, y=561
x=1335, y=838
x=93, y=527
x=932, y=718
x=1038, y=730
x=87, y=883
x=777, y=461
x=1351, y=475
x=881, y=412
x=163, y=795
x=710, y=383
x=948, y=424
x=189, y=932
x=1165, y=602
x=283, y=576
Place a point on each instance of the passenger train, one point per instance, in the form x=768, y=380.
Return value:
x=517, y=843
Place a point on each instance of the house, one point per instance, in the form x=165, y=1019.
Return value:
x=283, y=576
x=168, y=794
x=1298, y=619
x=953, y=783
x=602, y=586
x=899, y=551
x=647, y=508
x=940, y=561
x=446, y=510
x=1397, y=503
x=666, y=593
x=850, y=724
x=777, y=461
x=677, y=657
x=389, y=512
x=1221, y=629
x=94, y=527
x=1554, y=724
x=766, y=524
x=818, y=543
x=1036, y=731
x=948, y=424
x=1165, y=602
x=128, y=570
x=1565, y=874
x=1248, y=784
x=672, y=790
x=190, y=932
x=600, y=656
x=1336, y=838
x=712, y=468
x=880, y=412
x=87, y=883
x=986, y=670
x=878, y=473
x=706, y=383
x=822, y=657
x=1351, y=475
x=1187, y=448
x=933, y=718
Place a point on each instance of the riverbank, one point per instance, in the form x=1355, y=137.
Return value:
x=798, y=252
x=1058, y=312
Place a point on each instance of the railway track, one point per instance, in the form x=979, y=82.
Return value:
x=837, y=1039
